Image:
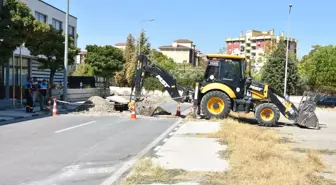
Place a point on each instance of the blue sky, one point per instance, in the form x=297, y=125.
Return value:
x=207, y=23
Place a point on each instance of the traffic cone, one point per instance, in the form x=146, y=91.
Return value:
x=178, y=111
x=54, y=108
x=49, y=105
x=133, y=115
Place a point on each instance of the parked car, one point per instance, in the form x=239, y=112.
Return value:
x=328, y=101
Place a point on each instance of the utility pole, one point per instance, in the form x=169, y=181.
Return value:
x=65, y=76
x=287, y=50
x=21, y=76
x=149, y=20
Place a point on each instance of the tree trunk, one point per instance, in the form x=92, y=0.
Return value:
x=51, y=81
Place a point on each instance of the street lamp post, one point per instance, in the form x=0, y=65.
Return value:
x=65, y=76
x=287, y=50
x=149, y=20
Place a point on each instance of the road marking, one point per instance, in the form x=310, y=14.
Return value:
x=165, y=140
x=176, y=128
x=127, y=165
x=170, y=134
x=69, y=128
x=157, y=148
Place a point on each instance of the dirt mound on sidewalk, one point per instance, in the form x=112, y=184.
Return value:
x=96, y=104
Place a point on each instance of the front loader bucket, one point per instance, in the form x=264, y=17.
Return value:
x=306, y=116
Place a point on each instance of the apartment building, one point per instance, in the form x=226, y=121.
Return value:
x=10, y=73
x=182, y=51
x=254, y=44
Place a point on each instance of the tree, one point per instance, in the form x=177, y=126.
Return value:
x=273, y=71
x=121, y=77
x=255, y=73
x=104, y=60
x=83, y=70
x=319, y=68
x=161, y=59
x=16, y=25
x=144, y=44
x=145, y=50
x=49, y=46
x=222, y=50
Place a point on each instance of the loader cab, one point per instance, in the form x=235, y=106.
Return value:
x=228, y=70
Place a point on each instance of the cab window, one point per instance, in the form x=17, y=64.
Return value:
x=212, y=69
x=230, y=70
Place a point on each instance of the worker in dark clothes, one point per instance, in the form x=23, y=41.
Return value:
x=35, y=86
x=43, y=88
x=29, y=95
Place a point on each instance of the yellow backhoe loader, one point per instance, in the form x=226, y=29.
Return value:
x=225, y=88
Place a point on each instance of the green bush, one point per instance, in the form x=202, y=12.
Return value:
x=185, y=74
x=152, y=84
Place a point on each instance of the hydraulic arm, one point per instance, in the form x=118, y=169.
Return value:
x=304, y=115
x=165, y=78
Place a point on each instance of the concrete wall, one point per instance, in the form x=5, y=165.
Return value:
x=81, y=94
x=126, y=91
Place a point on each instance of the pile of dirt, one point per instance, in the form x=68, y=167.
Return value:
x=150, y=108
x=96, y=104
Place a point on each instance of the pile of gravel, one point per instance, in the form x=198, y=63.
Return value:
x=96, y=104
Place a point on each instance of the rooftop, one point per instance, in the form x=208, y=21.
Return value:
x=55, y=8
x=183, y=41
x=171, y=47
x=120, y=44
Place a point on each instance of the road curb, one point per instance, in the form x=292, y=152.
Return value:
x=23, y=118
x=125, y=169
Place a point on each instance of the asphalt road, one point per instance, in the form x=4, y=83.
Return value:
x=172, y=106
x=73, y=150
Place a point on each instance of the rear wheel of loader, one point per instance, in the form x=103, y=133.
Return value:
x=215, y=104
x=267, y=114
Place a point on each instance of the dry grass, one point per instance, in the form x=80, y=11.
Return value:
x=320, y=151
x=326, y=108
x=146, y=172
x=258, y=156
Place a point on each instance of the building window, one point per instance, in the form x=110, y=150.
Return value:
x=57, y=24
x=72, y=31
x=17, y=74
x=41, y=17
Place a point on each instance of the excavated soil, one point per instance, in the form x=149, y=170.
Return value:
x=96, y=105
x=150, y=107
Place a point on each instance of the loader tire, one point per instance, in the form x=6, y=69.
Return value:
x=215, y=104
x=267, y=114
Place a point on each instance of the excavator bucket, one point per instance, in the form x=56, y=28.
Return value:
x=306, y=111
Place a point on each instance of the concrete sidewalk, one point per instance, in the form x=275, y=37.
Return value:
x=192, y=153
x=183, y=149
x=11, y=114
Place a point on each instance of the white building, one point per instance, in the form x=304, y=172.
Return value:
x=49, y=14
